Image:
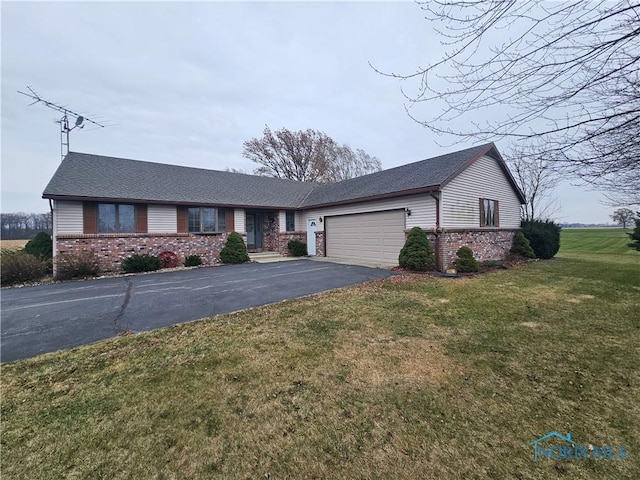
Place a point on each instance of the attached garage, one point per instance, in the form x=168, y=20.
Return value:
x=373, y=237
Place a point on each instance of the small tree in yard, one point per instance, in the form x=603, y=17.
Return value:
x=635, y=235
x=466, y=262
x=40, y=246
x=235, y=251
x=417, y=253
x=623, y=216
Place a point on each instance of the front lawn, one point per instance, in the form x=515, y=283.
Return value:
x=411, y=377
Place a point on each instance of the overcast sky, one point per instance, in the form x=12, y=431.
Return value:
x=188, y=83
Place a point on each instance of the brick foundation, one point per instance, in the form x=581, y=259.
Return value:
x=112, y=249
x=486, y=244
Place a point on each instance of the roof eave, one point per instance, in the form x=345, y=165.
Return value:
x=77, y=198
x=402, y=193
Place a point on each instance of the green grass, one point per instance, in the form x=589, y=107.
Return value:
x=588, y=241
x=412, y=377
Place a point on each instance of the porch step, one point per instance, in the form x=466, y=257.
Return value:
x=268, y=257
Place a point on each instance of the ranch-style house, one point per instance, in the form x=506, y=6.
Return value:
x=117, y=207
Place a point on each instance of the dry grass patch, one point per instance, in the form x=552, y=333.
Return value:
x=12, y=244
x=388, y=360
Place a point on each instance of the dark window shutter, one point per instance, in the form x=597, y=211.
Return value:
x=482, y=212
x=141, y=218
x=230, y=220
x=89, y=218
x=497, y=217
x=182, y=219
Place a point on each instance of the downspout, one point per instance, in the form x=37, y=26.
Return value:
x=53, y=238
x=436, y=231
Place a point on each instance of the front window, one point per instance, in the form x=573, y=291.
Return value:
x=206, y=220
x=488, y=213
x=116, y=218
x=291, y=221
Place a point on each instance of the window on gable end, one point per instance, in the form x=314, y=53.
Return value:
x=489, y=213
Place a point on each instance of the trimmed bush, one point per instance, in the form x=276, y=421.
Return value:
x=80, y=265
x=466, y=262
x=635, y=235
x=417, y=253
x=192, y=261
x=544, y=237
x=297, y=248
x=168, y=259
x=234, y=251
x=521, y=246
x=19, y=266
x=140, y=263
x=40, y=246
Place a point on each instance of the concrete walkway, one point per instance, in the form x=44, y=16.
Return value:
x=351, y=261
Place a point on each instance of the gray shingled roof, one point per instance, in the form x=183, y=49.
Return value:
x=82, y=175
x=431, y=173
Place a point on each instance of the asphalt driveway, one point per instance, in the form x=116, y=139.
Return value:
x=47, y=318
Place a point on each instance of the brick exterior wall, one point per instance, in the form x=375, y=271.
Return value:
x=320, y=251
x=271, y=227
x=283, y=241
x=486, y=244
x=112, y=249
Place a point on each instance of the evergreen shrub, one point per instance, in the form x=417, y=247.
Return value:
x=466, y=262
x=297, y=248
x=192, y=261
x=235, y=251
x=521, y=246
x=40, y=246
x=140, y=263
x=544, y=237
x=417, y=253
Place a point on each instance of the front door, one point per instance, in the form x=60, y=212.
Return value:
x=312, y=226
x=254, y=226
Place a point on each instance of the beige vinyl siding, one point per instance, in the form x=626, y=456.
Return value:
x=68, y=217
x=239, y=220
x=282, y=220
x=162, y=219
x=301, y=223
x=483, y=179
x=422, y=206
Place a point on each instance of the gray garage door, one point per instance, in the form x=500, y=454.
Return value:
x=375, y=237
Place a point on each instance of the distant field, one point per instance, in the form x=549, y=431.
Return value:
x=12, y=243
x=606, y=241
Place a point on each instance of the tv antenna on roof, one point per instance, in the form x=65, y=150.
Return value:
x=78, y=119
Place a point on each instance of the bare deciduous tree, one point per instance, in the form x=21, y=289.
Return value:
x=537, y=180
x=307, y=155
x=561, y=76
x=22, y=225
x=624, y=216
